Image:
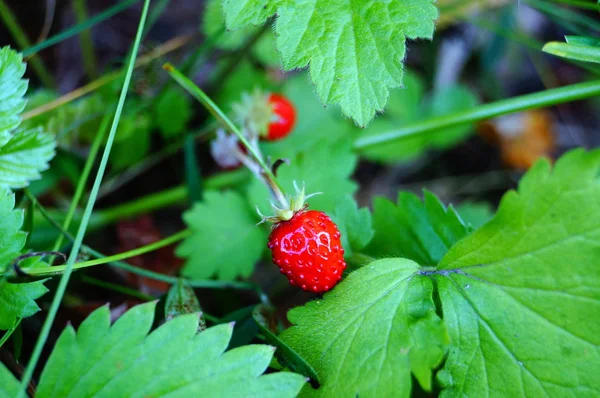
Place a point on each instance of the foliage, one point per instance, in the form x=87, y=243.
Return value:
x=16, y=300
x=579, y=48
x=12, y=90
x=225, y=241
x=124, y=360
x=173, y=111
x=354, y=224
x=363, y=41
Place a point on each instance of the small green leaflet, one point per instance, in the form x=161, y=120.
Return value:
x=355, y=225
x=369, y=333
x=225, y=242
x=354, y=49
x=521, y=295
x=182, y=300
x=125, y=361
x=24, y=156
x=422, y=231
x=16, y=300
x=12, y=90
x=213, y=25
x=325, y=168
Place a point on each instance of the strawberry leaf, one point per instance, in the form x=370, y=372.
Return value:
x=12, y=90
x=225, y=241
x=422, y=231
x=354, y=49
x=182, y=300
x=125, y=361
x=24, y=156
x=355, y=225
x=173, y=111
x=521, y=295
x=380, y=325
x=16, y=300
x=475, y=214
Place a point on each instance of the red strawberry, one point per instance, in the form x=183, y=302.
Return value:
x=284, y=118
x=308, y=250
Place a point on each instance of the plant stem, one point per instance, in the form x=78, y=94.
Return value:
x=201, y=96
x=511, y=105
x=85, y=40
x=9, y=332
x=23, y=41
x=62, y=286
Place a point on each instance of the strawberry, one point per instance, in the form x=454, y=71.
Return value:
x=308, y=250
x=284, y=120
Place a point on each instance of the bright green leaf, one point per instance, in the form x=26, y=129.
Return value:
x=521, y=295
x=16, y=300
x=132, y=141
x=12, y=90
x=578, y=52
x=125, y=361
x=9, y=386
x=354, y=49
x=370, y=332
x=422, y=231
x=24, y=156
x=355, y=224
x=182, y=300
x=583, y=40
x=173, y=111
x=225, y=241
x=213, y=23
x=325, y=168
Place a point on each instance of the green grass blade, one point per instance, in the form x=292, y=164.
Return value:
x=62, y=286
x=79, y=27
x=573, y=51
x=540, y=99
x=85, y=40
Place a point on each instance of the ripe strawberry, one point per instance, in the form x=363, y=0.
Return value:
x=308, y=250
x=284, y=120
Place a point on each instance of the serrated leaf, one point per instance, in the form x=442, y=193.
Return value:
x=521, y=295
x=354, y=49
x=324, y=168
x=475, y=214
x=355, y=225
x=24, y=156
x=422, y=231
x=182, y=300
x=12, y=90
x=213, y=23
x=173, y=111
x=16, y=300
x=368, y=334
x=225, y=240
x=125, y=361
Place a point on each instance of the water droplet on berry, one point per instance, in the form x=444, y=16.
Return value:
x=301, y=276
x=303, y=287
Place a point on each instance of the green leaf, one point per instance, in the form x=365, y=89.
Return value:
x=213, y=23
x=284, y=354
x=583, y=40
x=370, y=332
x=576, y=52
x=475, y=214
x=355, y=225
x=16, y=300
x=173, y=110
x=182, y=300
x=408, y=106
x=225, y=241
x=24, y=156
x=354, y=49
x=9, y=386
x=125, y=361
x=422, y=231
x=324, y=168
x=132, y=142
x=521, y=295
x=12, y=90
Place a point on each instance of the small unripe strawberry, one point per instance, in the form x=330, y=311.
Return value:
x=308, y=250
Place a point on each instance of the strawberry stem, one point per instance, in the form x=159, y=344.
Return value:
x=267, y=174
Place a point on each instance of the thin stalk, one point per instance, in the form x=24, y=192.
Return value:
x=541, y=99
x=165, y=48
x=96, y=19
x=62, y=286
x=87, y=168
x=85, y=40
x=204, y=99
x=9, y=332
x=11, y=23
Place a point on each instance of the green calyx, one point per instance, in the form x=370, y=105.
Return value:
x=290, y=207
